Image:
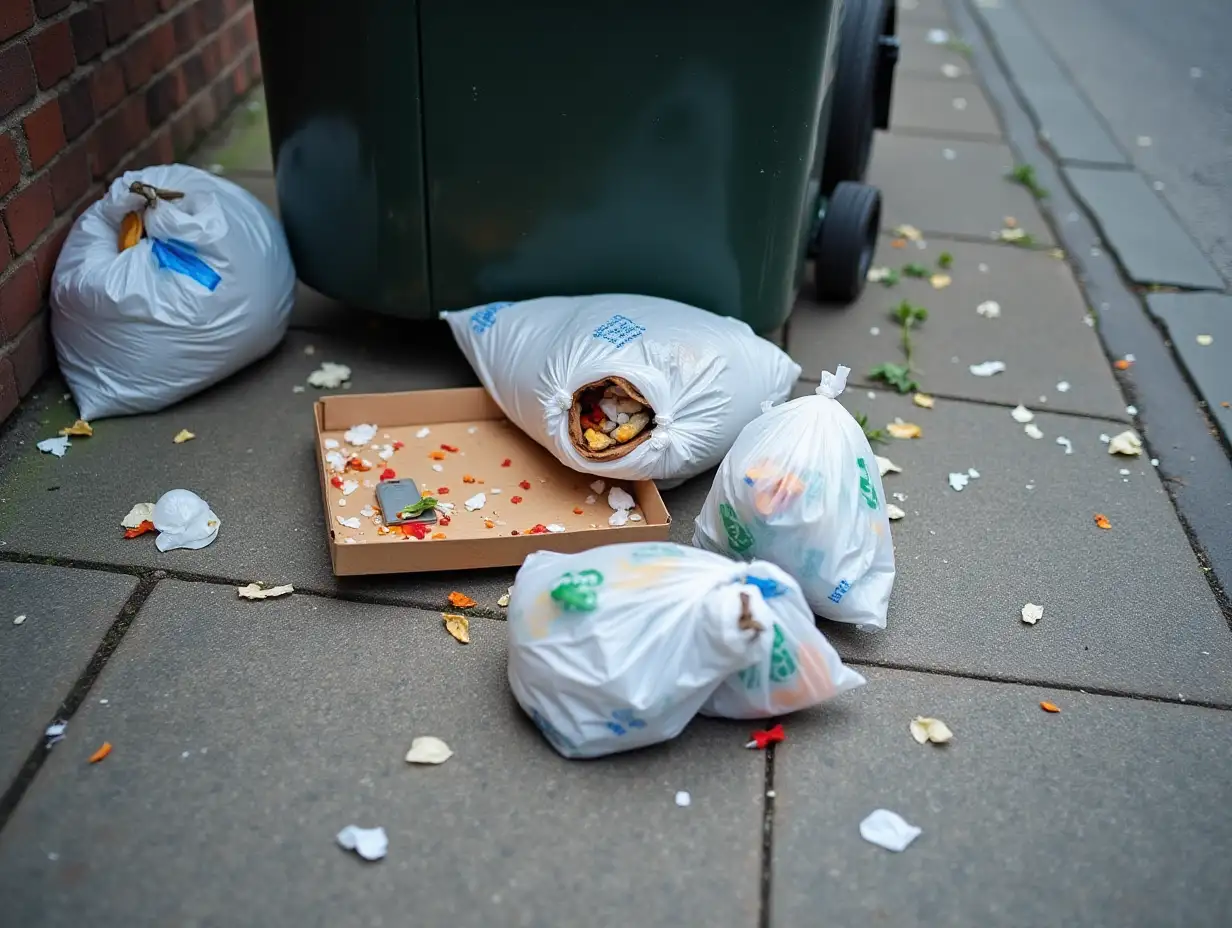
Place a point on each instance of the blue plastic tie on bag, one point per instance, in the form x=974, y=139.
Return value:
x=181, y=257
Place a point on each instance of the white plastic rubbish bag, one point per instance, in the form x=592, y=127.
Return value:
x=206, y=292
x=800, y=488
x=703, y=376
x=619, y=647
x=184, y=520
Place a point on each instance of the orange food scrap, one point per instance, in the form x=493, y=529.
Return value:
x=525, y=484
x=506, y=463
x=131, y=230
x=450, y=448
x=437, y=455
x=1101, y=521
x=467, y=478
x=538, y=529
x=141, y=529
x=899, y=243
x=578, y=510
x=1049, y=707
x=416, y=530
x=382, y=529
x=515, y=499
x=461, y=600
x=1122, y=364
x=488, y=523
x=358, y=463
x=101, y=752
x=442, y=491
x=438, y=535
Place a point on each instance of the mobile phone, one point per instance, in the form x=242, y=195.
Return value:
x=395, y=495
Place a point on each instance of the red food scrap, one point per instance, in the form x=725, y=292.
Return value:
x=442, y=491
x=146, y=526
x=335, y=481
x=515, y=499
x=539, y=529
x=445, y=520
x=525, y=484
x=761, y=739
x=515, y=532
x=417, y=530
x=358, y=463
x=450, y=448
x=388, y=474
x=578, y=510
x=506, y=463
x=399, y=445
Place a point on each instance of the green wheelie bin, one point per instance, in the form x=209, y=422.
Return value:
x=438, y=154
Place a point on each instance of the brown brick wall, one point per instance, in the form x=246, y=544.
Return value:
x=89, y=90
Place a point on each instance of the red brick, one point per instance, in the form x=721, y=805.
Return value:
x=10, y=166
x=162, y=40
x=6, y=253
x=254, y=69
x=70, y=177
x=166, y=5
x=120, y=17
x=19, y=299
x=15, y=16
x=250, y=25
x=138, y=62
x=211, y=59
x=186, y=29
x=89, y=32
x=107, y=86
x=194, y=74
x=77, y=109
x=121, y=132
x=167, y=95
x=9, y=395
x=212, y=14
x=183, y=132
x=44, y=134
x=47, y=8
x=29, y=212
x=239, y=79
x=145, y=10
x=53, y=54
x=31, y=355
x=47, y=255
x=16, y=77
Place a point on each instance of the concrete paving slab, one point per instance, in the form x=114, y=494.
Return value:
x=242, y=144
x=927, y=12
x=67, y=615
x=1069, y=124
x=920, y=57
x=1150, y=242
x=247, y=734
x=967, y=195
x=1105, y=815
x=1188, y=317
x=1125, y=610
x=1040, y=335
x=943, y=108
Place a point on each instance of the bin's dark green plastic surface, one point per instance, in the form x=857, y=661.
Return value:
x=445, y=153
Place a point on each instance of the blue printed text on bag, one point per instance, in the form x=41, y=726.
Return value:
x=620, y=330
x=484, y=317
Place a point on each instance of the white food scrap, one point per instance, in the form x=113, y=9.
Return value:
x=894, y=512
x=1021, y=414
x=368, y=843
x=329, y=376
x=987, y=368
x=924, y=729
x=886, y=466
x=620, y=499
x=1031, y=613
x=989, y=309
x=423, y=433
x=958, y=481
x=1033, y=430
x=478, y=501
x=182, y=436
x=598, y=486
x=1063, y=386
x=888, y=830
x=1066, y=444
x=142, y=512
x=57, y=446
x=428, y=750
x=618, y=518
x=1127, y=443
x=254, y=591
x=358, y=435
x=555, y=528
x=352, y=522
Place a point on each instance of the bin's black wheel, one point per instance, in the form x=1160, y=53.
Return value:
x=846, y=242
x=862, y=88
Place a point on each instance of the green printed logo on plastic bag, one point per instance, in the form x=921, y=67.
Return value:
x=750, y=677
x=739, y=538
x=782, y=664
x=577, y=592
x=867, y=490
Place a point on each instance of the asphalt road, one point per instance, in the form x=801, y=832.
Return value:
x=1135, y=60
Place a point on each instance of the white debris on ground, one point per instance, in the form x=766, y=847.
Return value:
x=352, y=522
x=989, y=309
x=55, y=732
x=987, y=368
x=329, y=376
x=1033, y=430
x=1021, y=414
x=924, y=729
x=958, y=481
x=476, y=502
x=951, y=70
x=1126, y=443
x=894, y=512
x=255, y=591
x=358, y=435
x=1063, y=386
x=938, y=37
x=368, y=843
x=18, y=620
x=57, y=446
x=683, y=799
x=184, y=520
x=423, y=433
x=141, y=512
x=1066, y=444
x=888, y=830
x=1031, y=613
x=886, y=466
x=428, y=750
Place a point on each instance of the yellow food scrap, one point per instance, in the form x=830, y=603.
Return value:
x=597, y=441
x=904, y=430
x=79, y=429
x=182, y=436
x=632, y=428
x=457, y=625
x=131, y=230
x=923, y=400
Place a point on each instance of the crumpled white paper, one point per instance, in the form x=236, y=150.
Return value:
x=368, y=843
x=888, y=830
x=329, y=375
x=141, y=512
x=886, y=466
x=361, y=434
x=478, y=501
x=184, y=520
x=1021, y=414
x=987, y=368
x=1031, y=613
x=428, y=750
x=56, y=446
x=619, y=499
x=1127, y=443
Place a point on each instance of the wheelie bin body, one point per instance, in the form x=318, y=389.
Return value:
x=434, y=155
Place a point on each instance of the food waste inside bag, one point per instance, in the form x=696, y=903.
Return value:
x=609, y=418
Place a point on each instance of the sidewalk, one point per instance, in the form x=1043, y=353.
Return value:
x=247, y=734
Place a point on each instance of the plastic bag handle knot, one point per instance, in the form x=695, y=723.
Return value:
x=661, y=437
x=833, y=384
x=747, y=622
x=562, y=401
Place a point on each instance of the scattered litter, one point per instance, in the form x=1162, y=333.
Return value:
x=989, y=309
x=619, y=499
x=923, y=400
x=349, y=487
x=633, y=517
x=940, y=281
x=938, y=37
x=503, y=602
x=329, y=376
x=925, y=729
x=1049, y=707
x=255, y=591
x=1205, y=340
x=428, y=750
x=461, y=600
x=478, y=501
x=888, y=830
x=1126, y=443
x=1131, y=410
x=900, y=429
x=142, y=512
x=1011, y=235
x=423, y=433
x=184, y=520
x=438, y=468
x=894, y=512
x=555, y=528
x=1066, y=444
x=1101, y=521
x=763, y=739
x=1032, y=613
x=79, y=429
x=1122, y=364
x=877, y=275
x=298, y=388
x=56, y=446
x=875, y=330
x=352, y=522
x=102, y=752
x=1154, y=462
x=1063, y=386
x=886, y=466
x=911, y=233
x=901, y=497
x=1033, y=430
x=598, y=486
x=987, y=368
x=457, y=625
x=368, y=843
x=182, y=436
x=143, y=528
x=683, y=799
x=1022, y=414
x=358, y=435
x=1124, y=472
x=951, y=70
x=618, y=518
x=958, y=481
x=19, y=620
x=55, y=732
